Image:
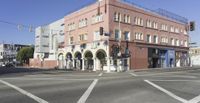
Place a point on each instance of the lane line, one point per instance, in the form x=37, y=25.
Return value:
x=87, y=92
x=39, y=100
x=176, y=80
x=116, y=77
x=70, y=75
x=196, y=74
x=44, y=79
x=133, y=74
x=167, y=92
x=195, y=100
x=100, y=74
x=176, y=76
x=152, y=74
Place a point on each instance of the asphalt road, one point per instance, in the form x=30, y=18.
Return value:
x=97, y=87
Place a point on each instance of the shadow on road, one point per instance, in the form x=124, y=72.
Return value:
x=23, y=71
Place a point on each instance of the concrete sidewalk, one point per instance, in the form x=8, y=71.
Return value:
x=165, y=69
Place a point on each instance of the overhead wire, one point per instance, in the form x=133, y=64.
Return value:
x=19, y=26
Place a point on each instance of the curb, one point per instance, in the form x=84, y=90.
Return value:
x=166, y=69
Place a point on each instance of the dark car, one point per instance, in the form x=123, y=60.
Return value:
x=9, y=65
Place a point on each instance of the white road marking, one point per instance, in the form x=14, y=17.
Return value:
x=133, y=74
x=176, y=76
x=166, y=74
x=176, y=80
x=39, y=100
x=195, y=100
x=44, y=79
x=72, y=75
x=196, y=74
x=167, y=92
x=152, y=74
x=87, y=92
x=119, y=77
x=100, y=74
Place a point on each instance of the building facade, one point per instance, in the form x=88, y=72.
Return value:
x=116, y=35
x=194, y=51
x=134, y=38
x=48, y=39
x=8, y=52
x=195, y=56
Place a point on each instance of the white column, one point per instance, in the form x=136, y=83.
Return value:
x=108, y=64
x=94, y=64
x=111, y=61
x=83, y=64
x=73, y=62
x=57, y=63
x=129, y=63
x=65, y=64
x=118, y=66
x=108, y=56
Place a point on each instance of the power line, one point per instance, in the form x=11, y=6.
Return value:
x=20, y=27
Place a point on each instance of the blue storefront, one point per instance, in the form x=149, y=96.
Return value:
x=171, y=58
x=167, y=58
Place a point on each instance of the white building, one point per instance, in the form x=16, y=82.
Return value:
x=41, y=41
x=195, y=60
x=195, y=56
x=47, y=40
x=8, y=52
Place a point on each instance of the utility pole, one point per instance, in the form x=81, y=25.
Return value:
x=119, y=44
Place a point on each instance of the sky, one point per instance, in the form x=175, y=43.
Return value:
x=41, y=12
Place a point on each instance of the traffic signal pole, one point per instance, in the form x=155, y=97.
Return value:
x=119, y=67
x=108, y=57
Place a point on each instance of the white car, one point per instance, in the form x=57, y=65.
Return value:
x=2, y=65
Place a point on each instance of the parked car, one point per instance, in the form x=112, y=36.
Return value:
x=2, y=65
x=9, y=65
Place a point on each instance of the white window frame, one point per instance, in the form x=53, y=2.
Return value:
x=139, y=36
x=172, y=29
x=96, y=35
x=156, y=41
x=127, y=36
x=148, y=39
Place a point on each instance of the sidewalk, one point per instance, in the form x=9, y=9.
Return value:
x=165, y=69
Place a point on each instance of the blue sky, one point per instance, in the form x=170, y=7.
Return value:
x=40, y=12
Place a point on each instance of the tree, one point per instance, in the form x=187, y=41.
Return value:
x=25, y=54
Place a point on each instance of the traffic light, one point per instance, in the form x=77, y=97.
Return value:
x=101, y=31
x=192, y=26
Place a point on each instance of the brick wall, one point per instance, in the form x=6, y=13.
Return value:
x=50, y=64
x=47, y=64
